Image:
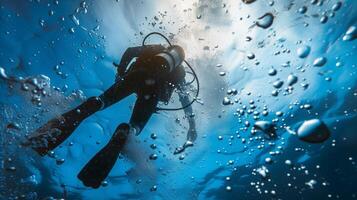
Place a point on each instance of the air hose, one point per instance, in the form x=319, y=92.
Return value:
x=189, y=66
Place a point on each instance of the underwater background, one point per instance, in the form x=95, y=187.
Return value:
x=276, y=61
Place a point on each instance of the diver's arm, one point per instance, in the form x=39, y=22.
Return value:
x=128, y=55
x=131, y=53
x=191, y=134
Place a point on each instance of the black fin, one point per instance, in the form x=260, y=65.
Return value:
x=57, y=130
x=98, y=168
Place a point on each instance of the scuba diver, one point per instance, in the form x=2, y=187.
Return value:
x=155, y=74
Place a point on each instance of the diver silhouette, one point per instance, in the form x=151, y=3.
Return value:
x=154, y=75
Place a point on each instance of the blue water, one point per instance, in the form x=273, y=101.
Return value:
x=69, y=46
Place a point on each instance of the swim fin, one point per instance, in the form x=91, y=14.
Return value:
x=98, y=168
x=55, y=131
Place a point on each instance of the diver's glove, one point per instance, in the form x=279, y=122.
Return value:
x=182, y=148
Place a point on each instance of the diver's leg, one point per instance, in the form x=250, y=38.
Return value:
x=119, y=91
x=58, y=129
x=55, y=131
x=145, y=106
x=98, y=168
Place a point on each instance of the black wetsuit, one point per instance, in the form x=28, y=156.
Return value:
x=148, y=81
x=146, y=77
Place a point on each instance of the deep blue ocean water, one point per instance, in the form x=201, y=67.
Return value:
x=54, y=54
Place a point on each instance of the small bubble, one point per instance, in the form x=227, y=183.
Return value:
x=279, y=113
x=339, y=64
x=60, y=161
x=337, y=6
x=228, y=188
x=278, y=84
x=265, y=21
x=248, y=1
x=182, y=157
x=311, y=183
x=226, y=101
x=153, y=157
x=292, y=79
x=153, y=188
x=323, y=19
x=350, y=34
x=11, y=168
x=222, y=73
x=303, y=51
x=250, y=56
x=275, y=93
x=153, y=146
x=71, y=30
x=268, y=160
x=153, y=136
x=302, y=10
x=320, y=61
x=104, y=183
x=272, y=72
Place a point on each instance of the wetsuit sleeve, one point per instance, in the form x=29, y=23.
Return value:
x=128, y=55
x=133, y=52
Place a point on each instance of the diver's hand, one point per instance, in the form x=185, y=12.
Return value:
x=182, y=148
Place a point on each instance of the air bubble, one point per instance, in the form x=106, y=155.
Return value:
x=337, y=6
x=265, y=21
x=350, y=34
x=226, y=101
x=303, y=51
x=250, y=56
x=292, y=79
x=153, y=157
x=302, y=10
x=278, y=84
x=272, y=72
x=313, y=131
x=320, y=61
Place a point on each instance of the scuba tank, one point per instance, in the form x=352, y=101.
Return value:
x=170, y=59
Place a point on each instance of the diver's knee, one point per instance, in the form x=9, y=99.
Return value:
x=97, y=102
x=123, y=127
x=121, y=133
x=134, y=129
